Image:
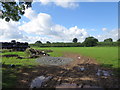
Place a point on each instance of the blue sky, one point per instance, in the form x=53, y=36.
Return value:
x=89, y=15
x=75, y=19
x=104, y=14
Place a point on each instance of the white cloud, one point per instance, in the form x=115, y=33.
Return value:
x=64, y=4
x=43, y=28
x=70, y=3
x=98, y=0
x=9, y=31
x=110, y=34
x=30, y=14
x=43, y=25
x=104, y=29
x=45, y=2
x=38, y=25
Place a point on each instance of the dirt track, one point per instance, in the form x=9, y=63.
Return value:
x=69, y=74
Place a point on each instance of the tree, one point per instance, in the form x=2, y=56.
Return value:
x=108, y=40
x=90, y=42
x=75, y=40
x=13, y=10
x=38, y=42
x=48, y=42
x=118, y=40
x=13, y=41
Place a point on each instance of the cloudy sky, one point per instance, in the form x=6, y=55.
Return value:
x=62, y=21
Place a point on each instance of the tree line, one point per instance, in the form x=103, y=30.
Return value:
x=88, y=42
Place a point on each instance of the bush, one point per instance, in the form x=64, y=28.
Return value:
x=107, y=44
x=58, y=45
x=90, y=42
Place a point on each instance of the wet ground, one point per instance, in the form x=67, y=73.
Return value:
x=82, y=72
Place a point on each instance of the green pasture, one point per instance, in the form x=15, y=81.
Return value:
x=103, y=55
x=14, y=60
x=106, y=56
x=10, y=75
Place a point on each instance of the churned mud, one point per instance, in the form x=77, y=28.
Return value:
x=82, y=72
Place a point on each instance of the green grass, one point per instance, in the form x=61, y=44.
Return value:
x=106, y=56
x=17, y=52
x=23, y=62
x=14, y=60
x=10, y=74
x=9, y=77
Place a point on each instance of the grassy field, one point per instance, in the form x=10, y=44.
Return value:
x=13, y=60
x=106, y=56
x=10, y=74
x=103, y=55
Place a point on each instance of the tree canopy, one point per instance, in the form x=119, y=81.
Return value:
x=13, y=10
x=75, y=40
x=13, y=41
x=90, y=42
x=38, y=42
x=48, y=42
x=118, y=40
x=108, y=40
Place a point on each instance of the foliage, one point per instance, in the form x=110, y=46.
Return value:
x=108, y=44
x=13, y=10
x=108, y=40
x=38, y=42
x=48, y=42
x=13, y=41
x=100, y=44
x=75, y=40
x=90, y=42
x=58, y=45
x=118, y=40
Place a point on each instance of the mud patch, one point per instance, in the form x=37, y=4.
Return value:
x=80, y=72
